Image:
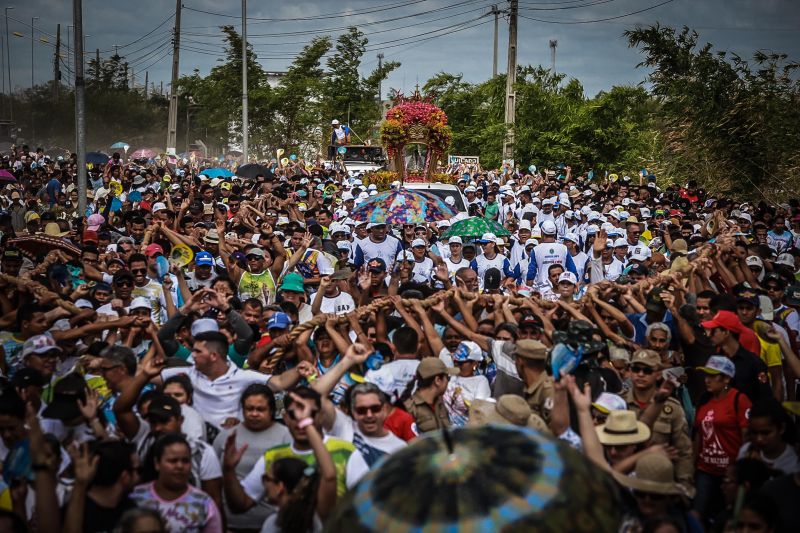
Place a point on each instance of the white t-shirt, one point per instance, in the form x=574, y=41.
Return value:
x=422, y=271
x=219, y=399
x=341, y=304
x=372, y=448
x=399, y=373
x=193, y=426
x=787, y=462
x=462, y=391
x=452, y=267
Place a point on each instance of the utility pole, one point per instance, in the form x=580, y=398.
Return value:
x=8, y=66
x=80, y=104
x=133, y=80
x=146, y=81
x=33, y=19
x=553, y=45
x=380, y=90
x=172, y=124
x=97, y=63
x=56, y=63
x=496, y=12
x=511, y=76
x=245, y=119
x=69, y=40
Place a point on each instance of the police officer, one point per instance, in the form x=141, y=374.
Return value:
x=531, y=368
x=426, y=405
x=669, y=426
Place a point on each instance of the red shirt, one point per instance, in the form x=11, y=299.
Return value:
x=719, y=425
x=400, y=423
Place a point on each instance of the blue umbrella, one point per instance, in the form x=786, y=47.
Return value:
x=120, y=145
x=97, y=158
x=217, y=173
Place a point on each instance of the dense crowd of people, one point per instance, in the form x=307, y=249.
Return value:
x=234, y=354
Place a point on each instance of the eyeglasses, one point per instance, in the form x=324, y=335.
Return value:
x=138, y=271
x=368, y=409
x=774, y=288
x=254, y=257
x=642, y=369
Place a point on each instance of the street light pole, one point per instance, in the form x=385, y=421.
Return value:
x=8, y=65
x=80, y=105
x=245, y=120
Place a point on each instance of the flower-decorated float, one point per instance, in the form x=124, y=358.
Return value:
x=415, y=136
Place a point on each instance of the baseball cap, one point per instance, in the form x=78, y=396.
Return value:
x=467, y=351
x=647, y=358
x=12, y=253
x=607, y=402
x=343, y=273
x=66, y=393
x=793, y=294
x=531, y=349
x=334, y=122
x=375, y=224
x=620, y=243
x=786, y=260
x=572, y=237
x=568, y=277
x=718, y=364
x=549, y=227
x=725, y=320
x=279, y=321
x=153, y=249
x=433, y=366
x=525, y=224
x=417, y=242
x=39, y=344
x=376, y=264
x=204, y=259
x=202, y=325
x=487, y=237
x=28, y=377
x=163, y=406
x=140, y=302
x=754, y=260
x=455, y=240
x=492, y=279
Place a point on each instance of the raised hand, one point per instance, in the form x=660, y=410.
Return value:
x=231, y=455
x=357, y=353
x=83, y=462
x=88, y=408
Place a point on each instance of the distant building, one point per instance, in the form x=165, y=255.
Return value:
x=274, y=78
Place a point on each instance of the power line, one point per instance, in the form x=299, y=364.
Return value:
x=598, y=20
x=385, y=7
x=589, y=3
x=170, y=17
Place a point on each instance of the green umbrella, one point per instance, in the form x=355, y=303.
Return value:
x=475, y=227
x=492, y=478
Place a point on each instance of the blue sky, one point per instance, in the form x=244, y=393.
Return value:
x=457, y=38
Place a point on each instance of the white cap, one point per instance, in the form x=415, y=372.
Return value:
x=202, y=325
x=334, y=122
x=470, y=189
x=346, y=196
x=525, y=224
x=549, y=227
x=140, y=302
x=373, y=224
x=754, y=260
x=573, y=237
x=443, y=224
x=593, y=215
x=644, y=212
x=499, y=241
x=746, y=216
x=159, y=206
x=626, y=202
x=372, y=187
x=373, y=193
x=619, y=243
x=455, y=240
x=641, y=253
x=585, y=210
x=343, y=245
x=363, y=196
x=488, y=237
x=531, y=241
x=83, y=303
x=417, y=242
x=785, y=259
x=548, y=201
x=568, y=276
x=216, y=181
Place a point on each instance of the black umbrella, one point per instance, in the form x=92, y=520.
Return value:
x=97, y=158
x=252, y=170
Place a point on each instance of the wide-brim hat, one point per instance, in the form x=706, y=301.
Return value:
x=622, y=428
x=654, y=473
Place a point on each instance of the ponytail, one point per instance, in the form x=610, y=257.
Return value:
x=302, y=481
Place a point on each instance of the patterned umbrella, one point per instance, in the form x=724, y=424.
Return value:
x=144, y=153
x=475, y=227
x=35, y=247
x=492, y=478
x=217, y=173
x=403, y=206
x=6, y=176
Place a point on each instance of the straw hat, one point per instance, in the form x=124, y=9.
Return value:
x=654, y=473
x=508, y=409
x=622, y=428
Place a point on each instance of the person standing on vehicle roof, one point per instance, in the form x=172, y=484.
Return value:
x=340, y=136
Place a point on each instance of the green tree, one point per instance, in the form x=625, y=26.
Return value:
x=731, y=123
x=347, y=93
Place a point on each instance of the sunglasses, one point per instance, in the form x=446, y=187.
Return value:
x=139, y=271
x=124, y=284
x=254, y=257
x=642, y=369
x=368, y=409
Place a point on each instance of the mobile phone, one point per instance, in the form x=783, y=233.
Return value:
x=673, y=374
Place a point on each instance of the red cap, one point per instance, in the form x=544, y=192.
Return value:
x=724, y=319
x=145, y=205
x=90, y=236
x=676, y=213
x=153, y=249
